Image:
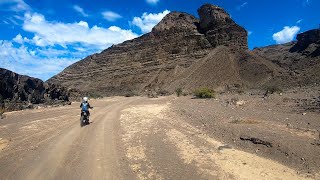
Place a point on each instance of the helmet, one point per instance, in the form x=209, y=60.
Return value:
x=85, y=99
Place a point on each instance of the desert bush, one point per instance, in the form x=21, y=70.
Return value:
x=163, y=92
x=94, y=95
x=240, y=91
x=129, y=94
x=179, y=91
x=204, y=93
x=286, y=100
x=152, y=94
x=2, y=110
x=273, y=89
x=246, y=121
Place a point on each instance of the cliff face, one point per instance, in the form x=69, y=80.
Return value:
x=17, y=91
x=181, y=51
x=308, y=43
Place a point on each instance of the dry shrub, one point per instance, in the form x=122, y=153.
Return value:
x=204, y=93
x=179, y=92
x=2, y=110
x=244, y=121
x=274, y=89
x=163, y=92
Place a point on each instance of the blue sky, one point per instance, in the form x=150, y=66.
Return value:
x=41, y=38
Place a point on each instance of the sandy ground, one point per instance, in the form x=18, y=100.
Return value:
x=141, y=138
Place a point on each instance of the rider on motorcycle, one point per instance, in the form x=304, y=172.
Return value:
x=85, y=106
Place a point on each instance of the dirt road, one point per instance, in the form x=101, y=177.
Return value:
x=128, y=138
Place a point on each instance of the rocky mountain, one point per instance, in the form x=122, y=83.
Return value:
x=19, y=91
x=180, y=52
x=300, y=60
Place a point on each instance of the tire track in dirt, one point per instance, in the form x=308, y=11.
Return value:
x=212, y=159
x=129, y=138
x=94, y=154
x=27, y=149
x=50, y=160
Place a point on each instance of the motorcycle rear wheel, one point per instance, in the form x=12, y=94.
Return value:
x=81, y=121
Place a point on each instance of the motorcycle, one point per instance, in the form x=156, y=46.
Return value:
x=84, y=118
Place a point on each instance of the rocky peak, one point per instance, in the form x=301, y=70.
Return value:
x=309, y=37
x=212, y=16
x=308, y=43
x=177, y=21
x=220, y=29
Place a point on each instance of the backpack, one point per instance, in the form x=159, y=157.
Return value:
x=85, y=106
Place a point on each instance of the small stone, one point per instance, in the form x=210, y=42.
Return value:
x=240, y=103
x=304, y=114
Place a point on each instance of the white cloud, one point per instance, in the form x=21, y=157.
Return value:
x=152, y=2
x=148, y=20
x=242, y=5
x=26, y=61
x=63, y=34
x=299, y=21
x=52, y=46
x=80, y=10
x=111, y=16
x=18, y=39
x=13, y=21
x=20, y=6
x=286, y=35
x=21, y=18
x=15, y=5
x=5, y=22
x=306, y=3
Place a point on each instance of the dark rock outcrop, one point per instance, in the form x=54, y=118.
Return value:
x=177, y=22
x=308, y=43
x=19, y=91
x=220, y=29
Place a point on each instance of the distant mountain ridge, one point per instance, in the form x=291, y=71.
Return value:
x=300, y=60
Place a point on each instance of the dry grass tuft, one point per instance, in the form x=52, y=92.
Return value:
x=245, y=121
x=2, y=110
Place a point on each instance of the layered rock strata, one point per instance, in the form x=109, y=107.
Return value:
x=181, y=51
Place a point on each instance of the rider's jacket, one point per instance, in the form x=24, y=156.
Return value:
x=85, y=106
